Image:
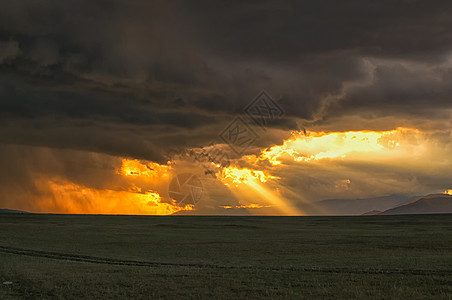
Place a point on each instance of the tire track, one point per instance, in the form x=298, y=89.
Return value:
x=121, y=262
x=93, y=259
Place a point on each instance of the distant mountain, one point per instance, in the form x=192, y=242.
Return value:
x=358, y=206
x=431, y=204
x=416, y=198
x=12, y=211
x=372, y=213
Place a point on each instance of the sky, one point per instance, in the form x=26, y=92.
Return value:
x=215, y=107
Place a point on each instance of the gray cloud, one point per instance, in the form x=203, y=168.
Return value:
x=215, y=57
x=8, y=50
x=139, y=78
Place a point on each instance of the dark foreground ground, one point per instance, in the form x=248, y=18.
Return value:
x=375, y=257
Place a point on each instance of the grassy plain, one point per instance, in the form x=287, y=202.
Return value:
x=188, y=257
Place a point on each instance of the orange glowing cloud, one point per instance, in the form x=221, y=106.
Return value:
x=314, y=146
x=133, y=167
x=137, y=190
x=248, y=185
x=246, y=206
x=67, y=197
x=232, y=175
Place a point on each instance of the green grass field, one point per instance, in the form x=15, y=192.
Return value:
x=138, y=257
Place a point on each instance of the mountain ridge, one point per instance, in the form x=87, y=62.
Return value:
x=430, y=204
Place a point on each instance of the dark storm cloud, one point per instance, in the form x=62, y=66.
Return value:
x=137, y=78
x=421, y=90
x=324, y=45
x=290, y=30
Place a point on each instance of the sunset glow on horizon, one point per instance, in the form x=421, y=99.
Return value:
x=144, y=183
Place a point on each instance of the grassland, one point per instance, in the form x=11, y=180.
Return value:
x=138, y=257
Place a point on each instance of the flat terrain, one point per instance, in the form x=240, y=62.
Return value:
x=373, y=257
